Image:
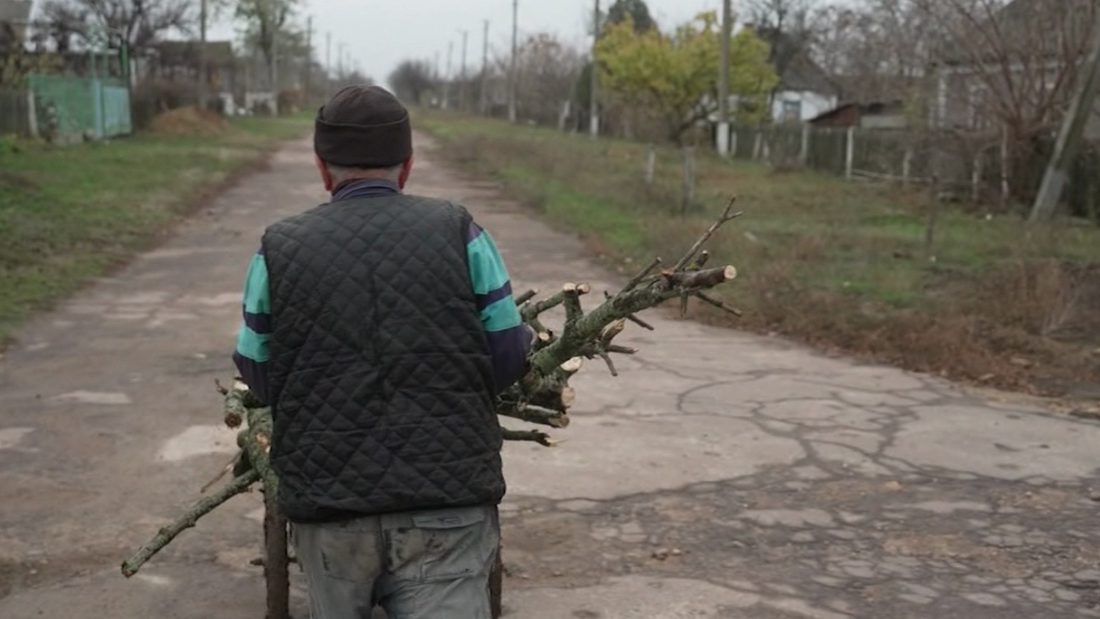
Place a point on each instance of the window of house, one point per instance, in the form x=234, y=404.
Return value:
x=792, y=111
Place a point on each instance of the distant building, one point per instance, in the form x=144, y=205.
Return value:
x=804, y=92
x=875, y=115
x=1020, y=69
x=14, y=18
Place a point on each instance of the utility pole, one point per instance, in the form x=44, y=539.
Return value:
x=463, y=94
x=309, y=60
x=340, y=63
x=724, y=82
x=275, y=68
x=328, y=64
x=594, y=105
x=512, y=63
x=447, y=84
x=203, y=72
x=1069, y=138
x=485, y=71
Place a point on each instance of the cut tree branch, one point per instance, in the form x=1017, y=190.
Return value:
x=187, y=520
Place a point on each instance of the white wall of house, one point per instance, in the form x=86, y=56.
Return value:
x=801, y=105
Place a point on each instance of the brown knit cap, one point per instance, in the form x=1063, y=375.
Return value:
x=363, y=127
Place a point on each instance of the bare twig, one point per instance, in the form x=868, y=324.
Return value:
x=727, y=216
x=526, y=296
x=534, y=436
x=719, y=304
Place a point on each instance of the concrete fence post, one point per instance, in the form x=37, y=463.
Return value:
x=850, y=153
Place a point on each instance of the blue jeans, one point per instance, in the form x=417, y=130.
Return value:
x=416, y=565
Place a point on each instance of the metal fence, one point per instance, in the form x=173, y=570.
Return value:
x=73, y=108
x=16, y=116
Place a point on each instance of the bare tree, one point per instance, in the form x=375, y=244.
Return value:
x=787, y=27
x=878, y=50
x=412, y=80
x=139, y=23
x=546, y=72
x=265, y=22
x=1007, y=68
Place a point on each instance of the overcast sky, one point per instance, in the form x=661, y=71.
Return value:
x=379, y=34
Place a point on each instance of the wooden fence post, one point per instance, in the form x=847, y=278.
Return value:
x=689, y=180
x=804, y=153
x=850, y=153
x=1006, y=192
x=976, y=179
x=650, y=163
x=758, y=139
x=32, y=115
x=733, y=143
x=907, y=166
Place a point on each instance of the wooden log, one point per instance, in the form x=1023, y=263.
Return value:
x=701, y=279
x=276, y=559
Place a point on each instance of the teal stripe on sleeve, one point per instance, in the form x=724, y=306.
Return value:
x=256, y=294
x=487, y=270
x=253, y=345
x=501, y=315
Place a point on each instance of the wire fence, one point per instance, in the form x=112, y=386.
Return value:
x=963, y=167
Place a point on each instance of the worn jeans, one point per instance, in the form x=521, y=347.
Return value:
x=417, y=565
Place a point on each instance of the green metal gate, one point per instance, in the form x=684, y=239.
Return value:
x=74, y=108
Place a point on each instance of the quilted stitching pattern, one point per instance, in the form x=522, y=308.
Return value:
x=381, y=376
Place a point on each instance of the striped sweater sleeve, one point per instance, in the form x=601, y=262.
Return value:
x=509, y=339
x=252, y=356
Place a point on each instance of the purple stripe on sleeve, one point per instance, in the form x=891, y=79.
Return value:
x=509, y=352
x=260, y=323
x=254, y=374
x=473, y=232
x=485, y=300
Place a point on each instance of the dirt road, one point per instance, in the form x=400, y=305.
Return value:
x=722, y=475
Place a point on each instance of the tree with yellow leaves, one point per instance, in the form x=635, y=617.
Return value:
x=675, y=76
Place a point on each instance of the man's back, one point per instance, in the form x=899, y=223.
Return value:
x=381, y=378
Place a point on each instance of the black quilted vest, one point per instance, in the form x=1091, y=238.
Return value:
x=381, y=379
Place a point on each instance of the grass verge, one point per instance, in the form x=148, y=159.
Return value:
x=70, y=213
x=843, y=266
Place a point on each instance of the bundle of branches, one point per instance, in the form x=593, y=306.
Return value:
x=542, y=397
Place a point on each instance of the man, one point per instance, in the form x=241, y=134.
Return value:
x=379, y=327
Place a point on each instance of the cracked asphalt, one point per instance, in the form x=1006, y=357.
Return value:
x=721, y=475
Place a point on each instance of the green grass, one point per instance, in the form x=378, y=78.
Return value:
x=837, y=263
x=69, y=213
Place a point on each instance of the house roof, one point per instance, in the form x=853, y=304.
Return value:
x=870, y=108
x=15, y=11
x=805, y=75
x=801, y=73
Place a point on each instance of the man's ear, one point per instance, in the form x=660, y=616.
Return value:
x=326, y=176
x=406, y=169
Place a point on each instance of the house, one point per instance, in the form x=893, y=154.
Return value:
x=883, y=115
x=14, y=18
x=804, y=92
x=180, y=60
x=1021, y=62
